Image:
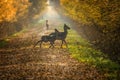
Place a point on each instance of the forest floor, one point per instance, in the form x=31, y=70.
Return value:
x=19, y=60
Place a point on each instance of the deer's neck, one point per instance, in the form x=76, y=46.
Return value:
x=65, y=31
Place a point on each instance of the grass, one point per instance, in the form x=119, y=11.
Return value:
x=18, y=33
x=83, y=51
x=3, y=43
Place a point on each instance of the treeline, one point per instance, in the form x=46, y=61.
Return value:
x=16, y=14
x=104, y=15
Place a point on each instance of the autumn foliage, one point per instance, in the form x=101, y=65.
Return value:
x=11, y=10
x=102, y=14
x=16, y=14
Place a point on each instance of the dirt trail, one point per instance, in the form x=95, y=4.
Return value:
x=45, y=64
x=21, y=61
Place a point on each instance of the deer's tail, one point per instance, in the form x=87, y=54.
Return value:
x=36, y=43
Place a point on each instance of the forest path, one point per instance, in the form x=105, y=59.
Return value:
x=19, y=60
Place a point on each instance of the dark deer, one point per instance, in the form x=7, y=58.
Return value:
x=62, y=35
x=47, y=25
x=54, y=36
x=48, y=38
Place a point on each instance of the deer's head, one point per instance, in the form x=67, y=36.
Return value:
x=66, y=26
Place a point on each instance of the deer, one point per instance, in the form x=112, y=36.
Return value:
x=62, y=35
x=57, y=35
x=48, y=38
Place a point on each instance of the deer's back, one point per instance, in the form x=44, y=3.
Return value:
x=61, y=35
x=45, y=38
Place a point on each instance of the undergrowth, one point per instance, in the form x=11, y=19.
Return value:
x=3, y=43
x=83, y=51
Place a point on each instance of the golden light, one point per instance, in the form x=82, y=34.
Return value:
x=51, y=13
x=48, y=2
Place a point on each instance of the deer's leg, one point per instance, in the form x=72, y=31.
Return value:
x=40, y=43
x=51, y=45
x=62, y=44
x=65, y=43
x=36, y=44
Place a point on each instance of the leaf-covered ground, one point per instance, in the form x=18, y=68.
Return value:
x=19, y=60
